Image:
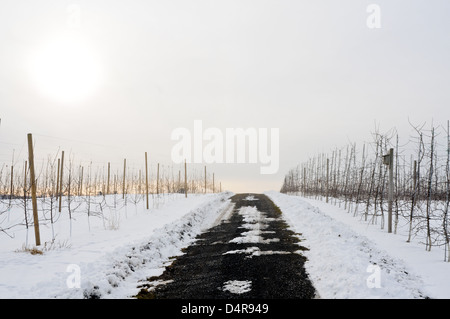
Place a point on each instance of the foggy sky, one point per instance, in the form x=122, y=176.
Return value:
x=313, y=69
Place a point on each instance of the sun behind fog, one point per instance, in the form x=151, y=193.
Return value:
x=66, y=70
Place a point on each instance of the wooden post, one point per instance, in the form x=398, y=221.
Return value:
x=124, y=171
x=80, y=192
x=304, y=181
x=140, y=183
x=25, y=194
x=69, y=184
x=146, y=179
x=57, y=178
x=109, y=174
x=33, y=190
x=102, y=182
x=11, y=189
x=61, y=180
x=391, y=188
x=95, y=185
x=328, y=173
x=185, y=179
x=157, y=180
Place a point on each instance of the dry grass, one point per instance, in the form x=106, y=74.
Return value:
x=32, y=250
x=48, y=246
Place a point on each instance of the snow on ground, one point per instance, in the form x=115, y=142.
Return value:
x=106, y=254
x=347, y=258
x=103, y=257
x=255, y=223
x=237, y=286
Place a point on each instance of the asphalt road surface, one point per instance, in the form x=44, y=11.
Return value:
x=251, y=253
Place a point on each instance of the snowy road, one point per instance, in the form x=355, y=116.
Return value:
x=248, y=250
x=251, y=253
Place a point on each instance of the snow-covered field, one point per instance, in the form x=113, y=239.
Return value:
x=106, y=255
x=348, y=258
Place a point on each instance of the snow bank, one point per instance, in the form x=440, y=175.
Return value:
x=344, y=263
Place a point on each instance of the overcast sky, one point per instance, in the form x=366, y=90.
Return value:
x=313, y=69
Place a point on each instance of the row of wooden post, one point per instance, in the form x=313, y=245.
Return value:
x=59, y=190
x=59, y=183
